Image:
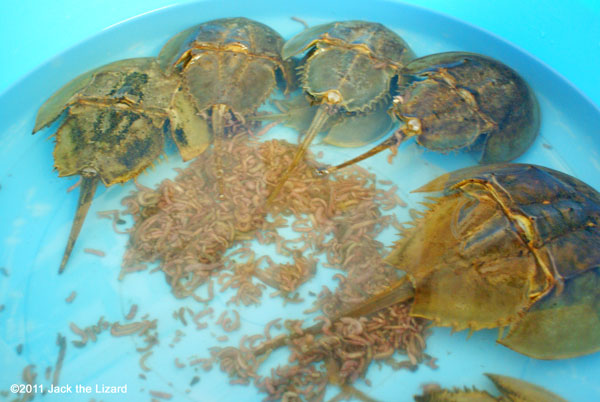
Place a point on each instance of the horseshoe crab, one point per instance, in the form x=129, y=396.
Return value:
x=348, y=69
x=113, y=127
x=229, y=67
x=512, y=245
x=511, y=389
x=506, y=245
x=457, y=100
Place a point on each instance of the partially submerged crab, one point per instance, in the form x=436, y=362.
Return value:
x=458, y=100
x=506, y=245
x=228, y=67
x=113, y=127
x=348, y=69
x=511, y=389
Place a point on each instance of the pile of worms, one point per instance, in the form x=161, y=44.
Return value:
x=200, y=242
x=338, y=352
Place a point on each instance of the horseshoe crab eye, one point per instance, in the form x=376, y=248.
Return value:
x=414, y=125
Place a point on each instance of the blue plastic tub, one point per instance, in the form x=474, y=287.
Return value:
x=548, y=44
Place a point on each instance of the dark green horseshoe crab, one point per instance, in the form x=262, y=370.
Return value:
x=229, y=67
x=457, y=100
x=504, y=245
x=348, y=69
x=113, y=127
x=511, y=389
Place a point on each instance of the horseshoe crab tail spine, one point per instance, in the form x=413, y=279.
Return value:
x=278, y=117
x=321, y=117
x=86, y=194
x=395, y=139
x=218, y=117
x=279, y=341
x=399, y=292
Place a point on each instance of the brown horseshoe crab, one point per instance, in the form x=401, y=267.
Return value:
x=511, y=389
x=459, y=100
x=348, y=68
x=113, y=127
x=229, y=67
x=505, y=245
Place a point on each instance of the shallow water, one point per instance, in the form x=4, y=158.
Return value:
x=37, y=214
